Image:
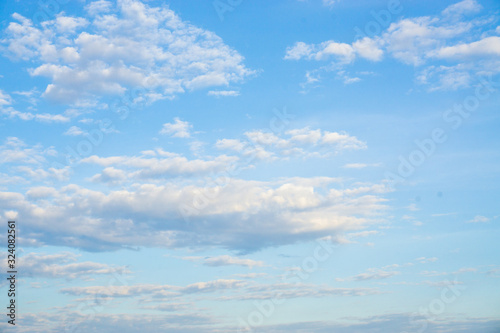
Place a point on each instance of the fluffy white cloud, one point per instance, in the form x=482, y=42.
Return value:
x=368, y=48
x=488, y=46
x=239, y=214
x=154, y=164
x=410, y=40
x=342, y=141
x=418, y=41
x=124, y=46
x=98, y=7
x=298, y=51
x=343, y=53
x=110, y=175
x=296, y=142
x=177, y=129
x=40, y=192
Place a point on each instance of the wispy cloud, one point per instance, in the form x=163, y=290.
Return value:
x=177, y=129
x=226, y=260
x=479, y=219
x=166, y=62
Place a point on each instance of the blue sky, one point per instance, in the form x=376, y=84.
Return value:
x=225, y=166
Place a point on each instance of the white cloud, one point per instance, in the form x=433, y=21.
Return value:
x=342, y=141
x=413, y=207
x=68, y=25
x=155, y=165
x=418, y=41
x=375, y=274
x=41, y=192
x=343, y=53
x=65, y=265
x=457, y=272
x=223, y=93
x=9, y=111
x=226, y=260
x=177, y=129
x=297, y=290
x=462, y=7
x=368, y=48
x=155, y=290
x=74, y=131
x=295, y=142
x=41, y=117
x=409, y=40
x=98, y=7
x=488, y=46
x=201, y=323
x=124, y=46
x=175, y=307
x=329, y=3
x=362, y=233
x=30, y=161
x=14, y=150
x=446, y=77
x=31, y=96
x=424, y=260
x=479, y=219
x=360, y=165
x=110, y=175
x=443, y=214
x=304, y=136
x=240, y=214
x=298, y=51
x=5, y=98
x=230, y=144
x=60, y=174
